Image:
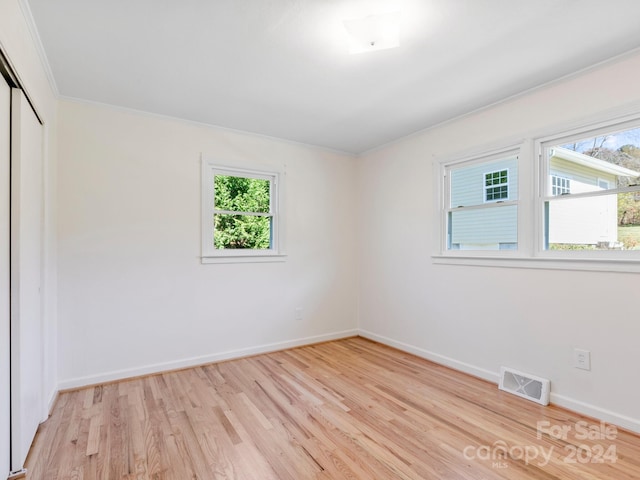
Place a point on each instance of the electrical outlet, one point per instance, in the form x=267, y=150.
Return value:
x=299, y=313
x=582, y=359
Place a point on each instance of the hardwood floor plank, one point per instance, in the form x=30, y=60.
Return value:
x=348, y=409
x=93, y=440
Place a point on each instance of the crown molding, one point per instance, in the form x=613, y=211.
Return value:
x=37, y=42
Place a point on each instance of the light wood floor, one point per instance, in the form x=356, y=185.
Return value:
x=349, y=409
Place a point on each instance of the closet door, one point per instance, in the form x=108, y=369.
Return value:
x=27, y=342
x=5, y=239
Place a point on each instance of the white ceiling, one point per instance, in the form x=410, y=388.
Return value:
x=282, y=67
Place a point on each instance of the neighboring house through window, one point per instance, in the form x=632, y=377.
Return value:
x=585, y=213
x=482, y=211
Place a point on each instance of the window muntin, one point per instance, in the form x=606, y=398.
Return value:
x=240, y=214
x=597, y=210
x=482, y=204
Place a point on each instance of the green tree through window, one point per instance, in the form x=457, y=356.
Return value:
x=242, y=213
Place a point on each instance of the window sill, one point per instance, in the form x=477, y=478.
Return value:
x=546, y=263
x=265, y=258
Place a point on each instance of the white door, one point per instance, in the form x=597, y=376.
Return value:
x=5, y=400
x=27, y=339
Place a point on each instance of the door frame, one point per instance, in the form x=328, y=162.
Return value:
x=5, y=282
x=8, y=73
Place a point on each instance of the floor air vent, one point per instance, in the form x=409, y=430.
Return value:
x=524, y=385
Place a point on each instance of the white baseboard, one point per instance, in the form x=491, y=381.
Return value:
x=53, y=396
x=201, y=360
x=434, y=357
x=628, y=423
x=577, y=406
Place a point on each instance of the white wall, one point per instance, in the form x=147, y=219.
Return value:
x=18, y=45
x=133, y=295
x=448, y=312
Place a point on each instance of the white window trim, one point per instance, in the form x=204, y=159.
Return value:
x=532, y=172
x=627, y=260
x=209, y=254
x=443, y=192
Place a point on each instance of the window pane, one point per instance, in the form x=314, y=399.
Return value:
x=242, y=232
x=604, y=222
x=484, y=229
x=596, y=163
x=242, y=194
x=497, y=193
x=492, y=181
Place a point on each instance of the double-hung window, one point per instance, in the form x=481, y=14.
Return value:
x=571, y=200
x=240, y=214
x=481, y=197
x=589, y=192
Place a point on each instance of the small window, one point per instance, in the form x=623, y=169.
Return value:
x=482, y=210
x=496, y=186
x=240, y=214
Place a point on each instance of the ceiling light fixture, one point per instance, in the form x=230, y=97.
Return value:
x=374, y=32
